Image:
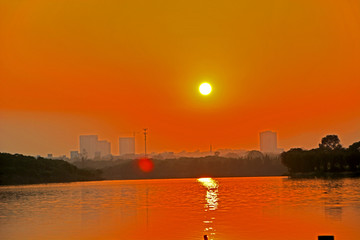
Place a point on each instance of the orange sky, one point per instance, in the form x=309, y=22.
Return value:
x=112, y=67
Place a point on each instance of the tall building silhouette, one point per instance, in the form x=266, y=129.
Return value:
x=126, y=145
x=268, y=142
x=104, y=148
x=90, y=147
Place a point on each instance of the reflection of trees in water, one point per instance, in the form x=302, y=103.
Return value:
x=333, y=199
x=211, y=205
x=334, y=213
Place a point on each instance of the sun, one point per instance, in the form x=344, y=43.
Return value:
x=205, y=88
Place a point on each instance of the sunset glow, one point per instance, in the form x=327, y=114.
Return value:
x=173, y=120
x=83, y=67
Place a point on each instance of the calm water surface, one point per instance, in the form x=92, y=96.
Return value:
x=223, y=208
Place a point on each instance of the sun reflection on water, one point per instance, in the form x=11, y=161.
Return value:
x=211, y=205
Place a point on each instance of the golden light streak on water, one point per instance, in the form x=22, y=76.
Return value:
x=211, y=198
x=208, y=182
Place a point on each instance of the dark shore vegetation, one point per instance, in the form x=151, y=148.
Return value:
x=19, y=169
x=255, y=164
x=330, y=159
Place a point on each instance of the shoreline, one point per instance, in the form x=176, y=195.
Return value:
x=325, y=175
x=135, y=179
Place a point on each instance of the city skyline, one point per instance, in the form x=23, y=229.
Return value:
x=204, y=147
x=90, y=147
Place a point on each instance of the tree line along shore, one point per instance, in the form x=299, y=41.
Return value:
x=330, y=159
x=18, y=169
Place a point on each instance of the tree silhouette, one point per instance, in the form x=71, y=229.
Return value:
x=330, y=157
x=83, y=157
x=355, y=147
x=20, y=169
x=330, y=142
x=353, y=156
x=254, y=154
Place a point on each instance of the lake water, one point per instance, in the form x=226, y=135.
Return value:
x=180, y=209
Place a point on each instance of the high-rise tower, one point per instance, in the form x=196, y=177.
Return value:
x=126, y=145
x=268, y=142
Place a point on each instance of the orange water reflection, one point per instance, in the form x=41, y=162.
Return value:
x=211, y=198
x=271, y=208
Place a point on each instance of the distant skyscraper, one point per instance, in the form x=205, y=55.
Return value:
x=126, y=145
x=88, y=145
x=104, y=147
x=92, y=148
x=268, y=142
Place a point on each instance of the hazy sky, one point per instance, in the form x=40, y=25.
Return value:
x=112, y=67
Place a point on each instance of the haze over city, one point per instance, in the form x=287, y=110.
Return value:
x=93, y=148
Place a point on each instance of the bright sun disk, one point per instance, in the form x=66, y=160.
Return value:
x=205, y=88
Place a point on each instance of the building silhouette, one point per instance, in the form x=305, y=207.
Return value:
x=126, y=145
x=104, y=148
x=91, y=147
x=268, y=142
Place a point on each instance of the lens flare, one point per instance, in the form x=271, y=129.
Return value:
x=145, y=164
